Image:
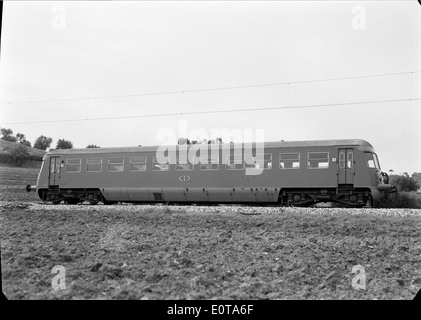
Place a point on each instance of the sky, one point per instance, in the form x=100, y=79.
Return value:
x=122, y=62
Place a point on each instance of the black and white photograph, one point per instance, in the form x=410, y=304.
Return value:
x=210, y=155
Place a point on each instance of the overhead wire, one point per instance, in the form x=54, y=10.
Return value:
x=211, y=89
x=215, y=111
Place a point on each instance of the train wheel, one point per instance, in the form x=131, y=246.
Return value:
x=93, y=202
x=56, y=202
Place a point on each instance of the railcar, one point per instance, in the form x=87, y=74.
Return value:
x=298, y=173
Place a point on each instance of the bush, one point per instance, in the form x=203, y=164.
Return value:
x=19, y=154
x=410, y=200
x=404, y=182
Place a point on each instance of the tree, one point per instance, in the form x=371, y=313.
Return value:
x=404, y=183
x=42, y=143
x=19, y=154
x=7, y=134
x=20, y=137
x=417, y=177
x=64, y=144
x=183, y=141
x=92, y=146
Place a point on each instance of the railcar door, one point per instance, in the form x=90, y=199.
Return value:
x=54, y=176
x=346, y=168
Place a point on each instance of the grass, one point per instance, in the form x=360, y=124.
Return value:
x=410, y=200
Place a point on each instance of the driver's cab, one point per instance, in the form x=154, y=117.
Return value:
x=378, y=177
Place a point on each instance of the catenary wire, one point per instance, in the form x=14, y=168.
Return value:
x=214, y=111
x=209, y=89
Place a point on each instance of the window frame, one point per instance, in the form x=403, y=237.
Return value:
x=271, y=161
x=79, y=165
x=376, y=161
x=342, y=162
x=228, y=156
x=367, y=165
x=327, y=158
x=294, y=160
x=349, y=162
x=87, y=163
x=154, y=160
x=108, y=164
x=138, y=163
x=209, y=163
x=177, y=164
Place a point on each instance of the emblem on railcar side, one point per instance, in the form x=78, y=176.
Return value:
x=184, y=178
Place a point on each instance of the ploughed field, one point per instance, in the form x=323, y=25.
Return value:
x=203, y=252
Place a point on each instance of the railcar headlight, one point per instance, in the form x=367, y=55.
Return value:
x=385, y=177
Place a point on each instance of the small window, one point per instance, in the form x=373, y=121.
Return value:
x=370, y=160
x=183, y=164
x=138, y=164
x=73, y=165
x=156, y=166
x=234, y=162
x=209, y=163
x=268, y=161
x=257, y=162
x=94, y=165
x=350, y=160
x=116, y=164
x=376, y=161
x=318, y=160
x=54, y=165
x=289, y=160
x=342, y=159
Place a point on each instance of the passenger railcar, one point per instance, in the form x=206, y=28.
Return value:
x=293, y=173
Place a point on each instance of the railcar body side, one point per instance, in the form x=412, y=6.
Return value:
x=293, y=173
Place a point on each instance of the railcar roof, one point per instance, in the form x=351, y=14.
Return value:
x=273, y=144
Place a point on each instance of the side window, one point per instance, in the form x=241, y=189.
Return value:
x=137, y=163
x=52, y=165
x=318, y=160
x=350, y=159
x=73, y=165
x=94, y=165
x=256, y=164
x=267, y=161
x=342, y=159
x=234, y=162
x=183, y=164
x=156, y=166
x=116, y=164
x=209, y=163
x=289, y=161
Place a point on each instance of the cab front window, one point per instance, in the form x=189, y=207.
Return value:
x=376, y=161
x=371, y=160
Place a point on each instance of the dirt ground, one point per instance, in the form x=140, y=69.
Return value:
x=220, y=252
